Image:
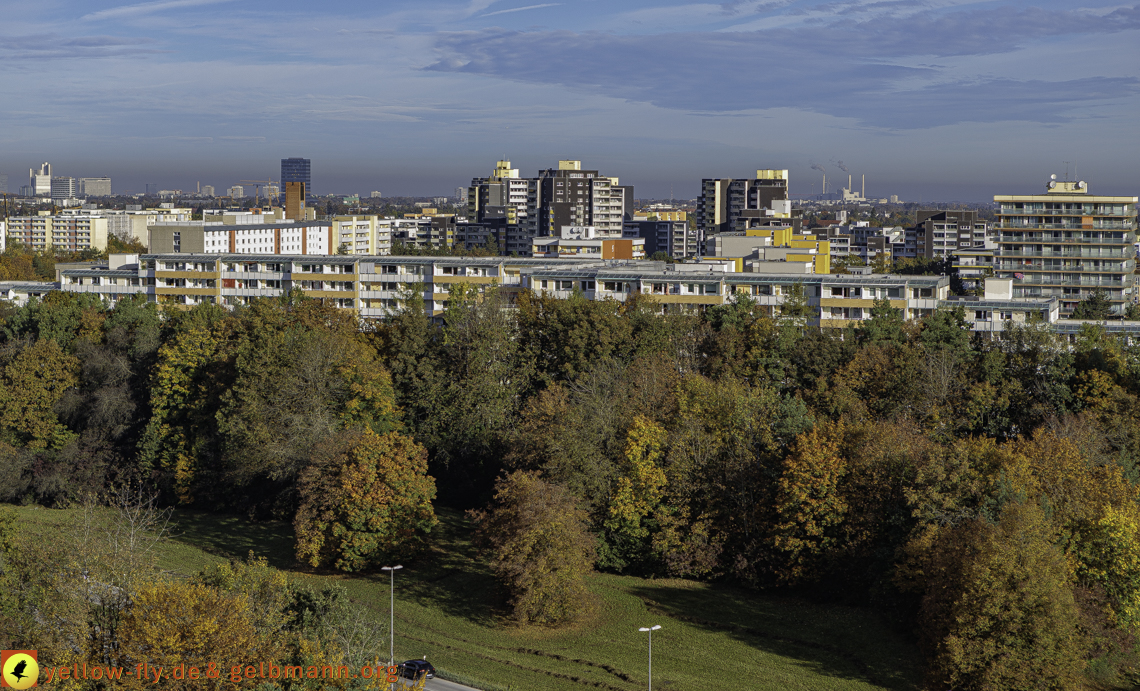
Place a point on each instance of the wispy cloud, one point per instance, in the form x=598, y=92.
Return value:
x=56, y=47
x=147, y=8
x=521, y=9
x=856, y=72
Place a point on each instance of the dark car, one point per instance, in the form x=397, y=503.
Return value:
x=414, y=669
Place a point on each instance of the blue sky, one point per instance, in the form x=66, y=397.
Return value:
x=934, y=99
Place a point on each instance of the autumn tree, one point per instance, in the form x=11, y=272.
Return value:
x=808, y=502
x=999, y=611
x=364, y=497
x=539, y=546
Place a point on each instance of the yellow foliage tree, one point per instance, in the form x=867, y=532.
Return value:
x=173, y=623
x=365, y=496
x=808, y=502
x=639, y=490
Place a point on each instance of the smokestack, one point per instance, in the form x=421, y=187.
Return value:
x=849, y=182
x=863, y=194
x=825, y=183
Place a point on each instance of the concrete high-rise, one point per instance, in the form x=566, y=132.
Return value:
x=1068, y=243
x=39, y=184
x=297, y=170
x=95, y=187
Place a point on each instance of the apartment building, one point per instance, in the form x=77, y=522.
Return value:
x=307, y=237
x=19, y=293
x=939, y=233
x=374, y=287
x=673, y=237
x=753, y=245
x=66, y=232
x=996, y=309
x=734, y=205
x=1068, y=243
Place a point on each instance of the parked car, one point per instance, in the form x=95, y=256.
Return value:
x=414, y=669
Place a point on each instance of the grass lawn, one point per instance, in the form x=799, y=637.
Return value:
x=711, y=637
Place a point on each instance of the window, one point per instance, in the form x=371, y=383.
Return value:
x=587, y=285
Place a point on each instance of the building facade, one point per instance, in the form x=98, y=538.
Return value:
x=297, y=170
x=94, y=187
x=1068, y=243
x=64, y=188
x=310, y=237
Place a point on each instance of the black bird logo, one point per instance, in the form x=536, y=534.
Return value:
x=18, y=670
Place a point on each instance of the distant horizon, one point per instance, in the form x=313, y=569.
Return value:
x=1022, y=186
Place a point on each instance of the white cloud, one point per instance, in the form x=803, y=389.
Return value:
x=148, y=8
x=521, y=9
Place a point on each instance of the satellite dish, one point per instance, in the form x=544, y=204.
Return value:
x=1053, y=176
x=1081, y=185
x=1052, y=184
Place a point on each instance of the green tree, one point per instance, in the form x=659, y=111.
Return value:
x=795, y=305
x=365, y=497
x=31, y=385
x=540, y=547
x=1094, y=306
x=885, y=324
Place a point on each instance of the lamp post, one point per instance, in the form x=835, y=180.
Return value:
x=650, y=630
x=392, y=611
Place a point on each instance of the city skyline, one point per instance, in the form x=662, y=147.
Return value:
x=934, y=102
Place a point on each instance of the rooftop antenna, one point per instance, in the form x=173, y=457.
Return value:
x=1066, y=171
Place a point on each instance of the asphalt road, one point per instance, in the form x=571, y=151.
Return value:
x=444, y=685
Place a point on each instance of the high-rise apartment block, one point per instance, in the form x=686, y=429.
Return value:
x=570, y=196
x=95, y=187
x=1068, y=243
x=297, y=170
x=939, y=234
x=728, y=205
x=207, y=190
x=39, y=184
x=3, y=183
x=502, y=195
x=514, y=210
x=236, y=192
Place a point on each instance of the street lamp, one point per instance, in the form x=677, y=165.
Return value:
x=650, y=630
x=392, y=612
